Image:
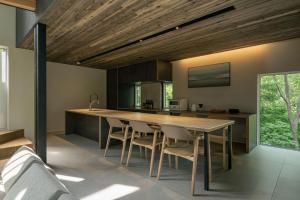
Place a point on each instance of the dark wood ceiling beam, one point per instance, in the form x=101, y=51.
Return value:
x=78, y=29
x=241, y=16
x=194, y=46
x=222, y=24
x=24, y=4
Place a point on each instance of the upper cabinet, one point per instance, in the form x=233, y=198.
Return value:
x=150, y=71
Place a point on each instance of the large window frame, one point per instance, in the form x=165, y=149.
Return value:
x=258, y=106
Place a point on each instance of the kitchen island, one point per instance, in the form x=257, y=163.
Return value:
x=76, y=121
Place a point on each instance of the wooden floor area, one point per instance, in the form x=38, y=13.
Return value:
x=10, y=141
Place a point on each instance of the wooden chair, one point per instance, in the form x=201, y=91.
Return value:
x=121, y=135
x=144, y=140
x=182, y=148
x=220, y=139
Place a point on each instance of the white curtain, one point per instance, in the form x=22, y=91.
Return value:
x=3, y=88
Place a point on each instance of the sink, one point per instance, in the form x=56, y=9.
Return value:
x=96, y=110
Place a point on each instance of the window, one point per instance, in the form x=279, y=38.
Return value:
x=3, y=87
x=138, y=96
x=167, y=94
x=279, y=105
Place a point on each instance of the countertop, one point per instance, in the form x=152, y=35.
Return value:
x=191, y=113
x=145, y=109
x=192, y=123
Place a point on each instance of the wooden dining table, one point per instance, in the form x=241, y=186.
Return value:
x=204, y=125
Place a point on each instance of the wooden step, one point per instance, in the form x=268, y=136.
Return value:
x=7, y=149
x=6, y=136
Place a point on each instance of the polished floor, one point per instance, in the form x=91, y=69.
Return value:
x=265, y=173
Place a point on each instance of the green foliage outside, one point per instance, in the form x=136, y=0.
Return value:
x=275, y=126
x=168, y=94
x=138, y=95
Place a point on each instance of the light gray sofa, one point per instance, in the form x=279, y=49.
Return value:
x=25, y=176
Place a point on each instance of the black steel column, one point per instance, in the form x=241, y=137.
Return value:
x=229, y=146
x=206, y=163
x=40, y=90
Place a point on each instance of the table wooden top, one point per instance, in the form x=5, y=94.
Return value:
x=191, y=123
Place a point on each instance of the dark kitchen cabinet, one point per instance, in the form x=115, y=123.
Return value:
x=112, y=89
x=151, y=71
x=126, y=96
x=124, y=75
x=120, y=81
x=163, y=71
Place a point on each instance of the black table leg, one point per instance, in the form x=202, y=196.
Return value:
x=206, y=164
x=229, y=146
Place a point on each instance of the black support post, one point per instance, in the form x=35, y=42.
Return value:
x=40, y=90
x=206, y=163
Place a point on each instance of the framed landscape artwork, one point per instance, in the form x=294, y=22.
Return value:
x=209, y=75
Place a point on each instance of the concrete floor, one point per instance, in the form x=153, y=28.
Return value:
x=265, y=173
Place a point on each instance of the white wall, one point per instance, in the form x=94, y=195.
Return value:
x=246, y=64
x=8, y=25
x=69, y=87
x=21, y=74
x=21, y=91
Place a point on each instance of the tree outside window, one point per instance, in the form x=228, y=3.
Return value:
x=167, y=94
x=280, y=110
x=138, y=96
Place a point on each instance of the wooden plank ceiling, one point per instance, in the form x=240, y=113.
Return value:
x=25, y=4
x=79, y=30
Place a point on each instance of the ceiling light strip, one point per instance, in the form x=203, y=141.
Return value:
x=202, y=18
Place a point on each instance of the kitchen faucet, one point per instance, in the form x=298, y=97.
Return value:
x=92, y=102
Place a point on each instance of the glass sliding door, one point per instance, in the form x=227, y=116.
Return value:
x=3, y=87
x=279, y=107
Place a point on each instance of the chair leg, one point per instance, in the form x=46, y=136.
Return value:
x=160, y=164
x=141, y=151
x=153, y=153
x=124, y=143
x=224, y=148
x=176, y=162
x=161, y=158
x=196, y=150
x=123, y=150
x=108, y=140
x=176, y=158
x=169, y=156
x=146, y=153
x=170, y=160
x=130, y=148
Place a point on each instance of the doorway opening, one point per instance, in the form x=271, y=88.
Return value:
x=3, y=87
x=279, y=110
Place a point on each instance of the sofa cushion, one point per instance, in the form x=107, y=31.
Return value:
x=67, y=197
x=36, y=183
x=2, y=191
x=18, y=164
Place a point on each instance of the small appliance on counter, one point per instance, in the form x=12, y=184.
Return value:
x=148, y=104
x=194, y=107
x=178, y=104
x=200, y=107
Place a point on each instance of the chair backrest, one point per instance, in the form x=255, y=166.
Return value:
x=113, y=122
x=140, y=127
x=177, y=132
